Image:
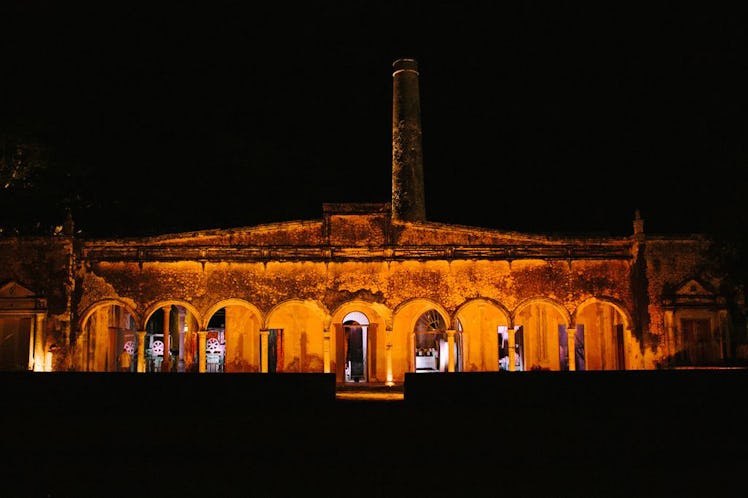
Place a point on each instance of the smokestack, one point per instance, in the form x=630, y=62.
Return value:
x=408, y=202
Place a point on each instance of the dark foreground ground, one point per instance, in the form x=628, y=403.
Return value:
x=580, y=434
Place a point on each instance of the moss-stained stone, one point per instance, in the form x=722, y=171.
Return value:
x=294, y=275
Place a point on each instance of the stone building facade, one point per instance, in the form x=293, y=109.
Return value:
x=369, y=292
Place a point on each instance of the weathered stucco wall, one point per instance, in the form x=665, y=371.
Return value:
x=670, y=262
x=303, y=277
x=449, y=283
x=300, y=297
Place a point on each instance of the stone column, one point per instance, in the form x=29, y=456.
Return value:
x=39, y=342
x=264, y=353
x=181, y=351
x=571, y=342
x=608, y=339
x=388, y=357
x=202, y=337
x=113, y=360
x=512, y=353
x=166, y=362
x=451, y=357
x=670, y=344
x=32, y=346
x=326, y=350
x=724, y=335
x=141, y=351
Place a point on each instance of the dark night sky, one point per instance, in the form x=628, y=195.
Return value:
x=177, y=117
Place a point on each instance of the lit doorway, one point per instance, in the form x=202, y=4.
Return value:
x=356, y=328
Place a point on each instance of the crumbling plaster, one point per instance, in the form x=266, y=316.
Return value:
x=264, y=285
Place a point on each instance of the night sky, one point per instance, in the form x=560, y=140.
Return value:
x=165, y=117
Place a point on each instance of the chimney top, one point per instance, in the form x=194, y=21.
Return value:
x=405, y=64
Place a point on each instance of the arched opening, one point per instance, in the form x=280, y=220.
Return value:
x=355, y=329
x=296, y=328
x=171, y=342
x=540, y=325
x=601, y=332
x=108, y=342
x=233, y=339
x=431, y=343
x=478, y=348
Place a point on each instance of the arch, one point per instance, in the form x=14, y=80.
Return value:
x=488, y=301
x=603, y=328
x=538, y=324
x=105, y=302
x=298, y=326
x=422, y=304
x=106, y=341
x=356, y=317
x=374, y=337
x=375, y=312
x=238, y=332
x=405, y=316
x=183, y=322
x=232, y=302
x=545, y=300
x=615, y=303
x=161, y=304
x=480, y=319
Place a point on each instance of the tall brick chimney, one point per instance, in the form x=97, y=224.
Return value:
x=408, y=203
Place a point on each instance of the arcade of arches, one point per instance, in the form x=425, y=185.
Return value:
x=359, y=341
x=249, y=301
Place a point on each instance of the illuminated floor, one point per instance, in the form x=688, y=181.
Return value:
x=369, y=392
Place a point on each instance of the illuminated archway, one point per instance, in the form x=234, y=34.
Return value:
x=298, y=330
x=430, y=342
x=538, y=324
x=171, y=341
x=235, y=324
x=479, y=323
x=107, y=341
x=405, y=316
x=604, y=325
x=375, y=316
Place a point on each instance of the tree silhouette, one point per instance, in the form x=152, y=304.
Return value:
x=40, y=183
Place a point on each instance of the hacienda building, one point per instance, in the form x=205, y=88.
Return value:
x=369, y=292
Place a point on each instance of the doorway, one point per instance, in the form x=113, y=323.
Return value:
x=356, y=328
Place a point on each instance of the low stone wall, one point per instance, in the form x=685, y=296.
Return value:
x=102, y=394
x=622, y=392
